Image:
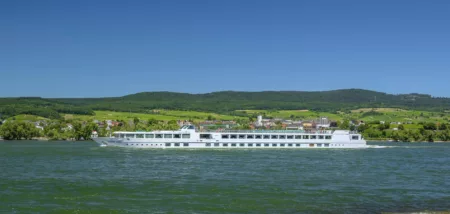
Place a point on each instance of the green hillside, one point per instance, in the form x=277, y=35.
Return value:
x=227, y=103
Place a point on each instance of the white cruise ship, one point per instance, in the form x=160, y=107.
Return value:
x=188, y=137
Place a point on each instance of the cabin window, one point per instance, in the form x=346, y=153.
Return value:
x=313, y=137
x=224, y=144
x=241, y=145
x=328, y=137
x=205, y=136
x=298, y=137
x=258, y=145
x=186, y=136
x=250, y=144
x=282, y=144
x=249, y=136
x=355, y=137
x=274, y=145
x=274, y=136
x=216, y=144
x=311, y=145
x=130, y=135
x=177, y=144
x=305, y=136
x=319, y=145
x=233, y=136
x=168, y=144
x=290, y=144
x=242, y=136
x=158, y=136
x=121, y=135
x=297, y=145
x=258, y=136
x=208, y=144
x=321, y=137
x=290, y=137
x=233, y=145
x=225, y=136
x=266, y=136
x=185, y=144
x=327, y=145
x=149, y=136
x=177, y=136
x=116, y=135
x=282, y=136
x=266, y=145
x=167, y=135
x=140, y=136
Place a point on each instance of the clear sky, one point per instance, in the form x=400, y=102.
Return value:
x=90, y=48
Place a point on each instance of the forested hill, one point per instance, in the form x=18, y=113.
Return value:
x=226, y=101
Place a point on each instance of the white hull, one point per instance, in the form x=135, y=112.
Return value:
x=188, y=138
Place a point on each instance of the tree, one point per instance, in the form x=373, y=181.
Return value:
x=345, y=125
x=443, y=126
x=401, y=127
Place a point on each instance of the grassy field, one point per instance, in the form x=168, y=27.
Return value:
x=27, y=117
x=382, y=114
x=159, y=115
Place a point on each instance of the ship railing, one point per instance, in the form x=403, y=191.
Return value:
x=275, y=131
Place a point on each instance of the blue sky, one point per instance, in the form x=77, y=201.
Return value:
x=113, y=48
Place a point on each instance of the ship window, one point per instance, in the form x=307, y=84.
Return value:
x=327, y=145
x=319, y=145
x=121, y=135
x=258, y=136
x=274, y=145
x=313, y=137
x=224, y=144
x=241, y=145
x=355, y=137
x=142, y=144
x=321, y=137
x=297, y=145
x=266, y=136
x=282, y=136
x=225, y=136
x=208, y=144
x=274, y=136
x=282, y=144
x=185, y=144
x=298, y=137
x=186, y=136
x=205, y=136
x=242, y=136
x=258, y=145
x=328, y=137
x=249, y=136
x=149, y=136
x=290, y=144
x=233, y=136
x=116, y=135
x=158, y=136
x=176, y=136
x=305, y=136
x=233, y=145
x=311, y=145
x=167, y=135
x=250, y=144
x=266, y=145
x=140, y=136
x=167, y=144
x=290, y=137
x=130, y=135
x=177, y=144
x=216, y=144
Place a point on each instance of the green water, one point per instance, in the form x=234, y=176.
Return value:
x=79, y=177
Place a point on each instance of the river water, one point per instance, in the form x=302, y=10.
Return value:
x=79, y=177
